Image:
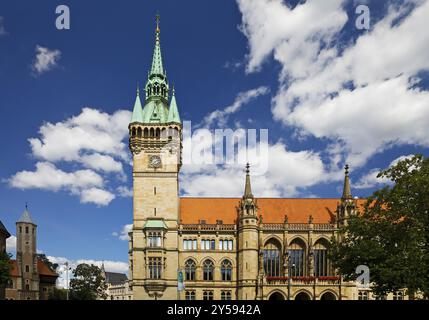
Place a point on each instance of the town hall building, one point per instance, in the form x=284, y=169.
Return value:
x=224, y=248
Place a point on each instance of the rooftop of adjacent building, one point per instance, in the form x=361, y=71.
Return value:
x=115, y=278
x=42, y=268
x=3, y=230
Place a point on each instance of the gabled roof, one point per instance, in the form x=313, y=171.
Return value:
x=115, y=278
x=273, y=210
x=42, y=269
x=4, y=230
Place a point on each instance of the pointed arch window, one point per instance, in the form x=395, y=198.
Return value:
x=271, y=258
x=208, y=270
x=190, y=268
x=296, y=256
x=322, y=266
x=226, y=270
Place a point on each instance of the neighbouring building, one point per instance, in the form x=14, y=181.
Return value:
x=118, y=285
x=226, y=248
x=4, y=234
x=31, y=278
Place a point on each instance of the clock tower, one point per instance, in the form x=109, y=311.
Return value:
x=155, y=142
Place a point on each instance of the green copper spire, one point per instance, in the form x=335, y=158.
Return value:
x=173, y=113
x=156, y=104
x=347, y=194
x=157, y=67
x=138, y=110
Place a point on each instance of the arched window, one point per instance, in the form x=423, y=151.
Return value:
x=322, y=266
x=208, y=269
x=296, y=258
x=208, y=295
x=190, y=270
x=271, y=256
x=225, y=295
x=139, y=132
x=151, y=132
x=226, y=270
x=145, y=132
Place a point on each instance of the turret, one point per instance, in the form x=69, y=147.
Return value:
x=248, y=243
x=347, y=205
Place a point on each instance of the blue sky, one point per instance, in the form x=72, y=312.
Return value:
x=327, y=92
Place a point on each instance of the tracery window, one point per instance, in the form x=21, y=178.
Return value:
x=155, y=268
x=271, y=258
x=190, y=268
x=297, y=258
x=322, y=266
x=226, y=270
x=208, y=269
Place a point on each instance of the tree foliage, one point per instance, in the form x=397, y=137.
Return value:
x=58, y=294
x=4, y=269
x=42, y=257
x=390, y=235
x=88, y=283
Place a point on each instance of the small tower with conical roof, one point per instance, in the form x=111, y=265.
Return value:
x=248, y=243
x=347, y=205
x=26, y=250
x=156, y=143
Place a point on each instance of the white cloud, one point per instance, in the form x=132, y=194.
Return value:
x=123, y=235
x=93, y=140
x=363, y=98
x=288, y=173
x=101, y=162
x=11, y=244
x=92, y=131
x=96, y=195
x=48, y=177
x=2, y=28
x=85, y=183
x=125, y=192
x=371, y=180
x=221, y=116
x=109, y=266
x=45, y=60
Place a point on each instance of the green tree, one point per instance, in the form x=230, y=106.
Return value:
x=58, y=294
x=4, y=269
x=88, y=283
x=52, y=266
x=390, y=235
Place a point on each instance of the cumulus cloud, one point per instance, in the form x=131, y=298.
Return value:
x=363, y=96
x=92, y=140
x=11, y=244
x=46, y=59
x=123, y=234
x=221, y=116
x=124, y=192
x=286, y=174
x=370, y=179
x=109, y=266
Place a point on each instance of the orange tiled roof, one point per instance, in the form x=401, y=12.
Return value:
x=272, y=210
x=42, y=269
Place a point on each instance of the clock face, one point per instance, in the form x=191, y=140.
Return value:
x=154, y=161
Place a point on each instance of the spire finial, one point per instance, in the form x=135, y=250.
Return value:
x=158, y=17
x=173, y=91
x=138, y=89
x=247, y=187
x=26, y=205
x=346, y=189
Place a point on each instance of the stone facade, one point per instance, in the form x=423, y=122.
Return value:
x=31, y=278
x=4, y=234
x=223, y=248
